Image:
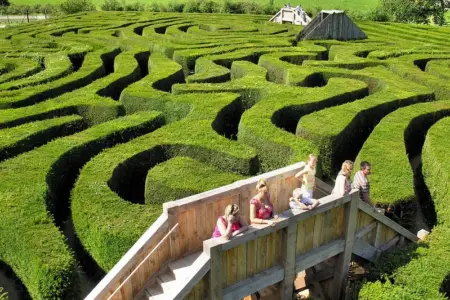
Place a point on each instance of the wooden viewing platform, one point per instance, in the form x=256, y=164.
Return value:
x=177, y=259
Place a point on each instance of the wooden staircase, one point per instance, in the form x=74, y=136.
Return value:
x=178, y=278
x=177, y=259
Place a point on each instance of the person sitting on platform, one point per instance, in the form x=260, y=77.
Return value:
x=230, y=224
x=298, y=202
x=343, y=184
x=261, y=208
x=308, y=178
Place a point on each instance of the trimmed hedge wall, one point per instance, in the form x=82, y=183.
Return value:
x=180, y=177
x=425, y=275
x=396, y=135
x=119, y=173
x=29, y=241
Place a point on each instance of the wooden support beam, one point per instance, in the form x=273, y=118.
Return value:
x=318, y=255
x=215, y=290
x=253, y=284
x=288, y=261
x=365, y=230
x=386, y=221
x=342, y=266
x=391, y=243
x=378, y=236
x=365, y=250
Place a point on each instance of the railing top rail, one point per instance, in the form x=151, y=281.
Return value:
x=128, y=259
x=232, y=189
x=142, y=262
x=257, y=230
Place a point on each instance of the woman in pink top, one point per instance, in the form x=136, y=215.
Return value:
x=261, y=209
x=230, y=224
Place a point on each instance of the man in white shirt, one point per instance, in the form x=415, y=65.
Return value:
x=361, y=182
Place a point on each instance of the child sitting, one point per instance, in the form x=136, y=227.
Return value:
x=299, y=202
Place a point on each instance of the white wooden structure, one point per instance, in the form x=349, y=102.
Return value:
x=177, y=259
x=291, y=15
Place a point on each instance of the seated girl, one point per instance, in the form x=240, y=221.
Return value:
x=261, y=209
x=230, y=224
x=299, y=202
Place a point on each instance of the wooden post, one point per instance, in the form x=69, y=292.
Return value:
x=172, y=217
x=28, y=17
x=215, y=290
x=342, y=266
x=289, y=242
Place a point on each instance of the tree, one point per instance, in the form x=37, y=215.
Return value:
x=4, y=3
x=76, y=6
x=414, y=11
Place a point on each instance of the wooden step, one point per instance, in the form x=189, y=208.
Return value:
x=179, y=278
x=154, y=292
x=168, y=282
x=182, y=268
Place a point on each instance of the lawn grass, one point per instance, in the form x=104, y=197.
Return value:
x=306, y=4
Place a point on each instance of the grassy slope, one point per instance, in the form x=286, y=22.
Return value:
x=307, y=4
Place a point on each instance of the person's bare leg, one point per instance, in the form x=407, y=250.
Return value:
x=315, y=204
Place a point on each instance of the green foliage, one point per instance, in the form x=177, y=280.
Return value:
x=134, y=6
x=419, y=11
x=112, y=5
x=421, y=272
x=76, y=6
x=208, y=6
x=181, y=177
x=3, y=296
x=4, y=3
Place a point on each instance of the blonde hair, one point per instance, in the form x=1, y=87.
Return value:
x=261, y=186
x=297, y=193
x=311, y=157
x=347, y=167
x=231, y=210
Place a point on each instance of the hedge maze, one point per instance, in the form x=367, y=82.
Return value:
x=105, y=116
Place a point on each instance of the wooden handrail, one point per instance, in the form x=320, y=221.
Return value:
x=143, y=261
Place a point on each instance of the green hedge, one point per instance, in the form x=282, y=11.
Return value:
x=119, y=173
x=423, y=277
x=439, y=68
x=92, y=69
x=394, y=136
x=342, y=129
x=29, y=241
x=180, y=177
x=23, y=138
x=56, y=66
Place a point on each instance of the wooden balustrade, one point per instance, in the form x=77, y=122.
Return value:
x=196, y=217
x=141, y=272
x=262, y=256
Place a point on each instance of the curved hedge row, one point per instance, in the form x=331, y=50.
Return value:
x=115, y=174
x=394, y=139
x=28, y=236
x=425, y=275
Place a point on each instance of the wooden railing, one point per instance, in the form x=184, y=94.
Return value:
x=267, y=255
x=196, y=217
x=263, y=255
x=137, y=274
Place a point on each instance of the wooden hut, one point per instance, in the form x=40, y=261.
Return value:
x=331, y=25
